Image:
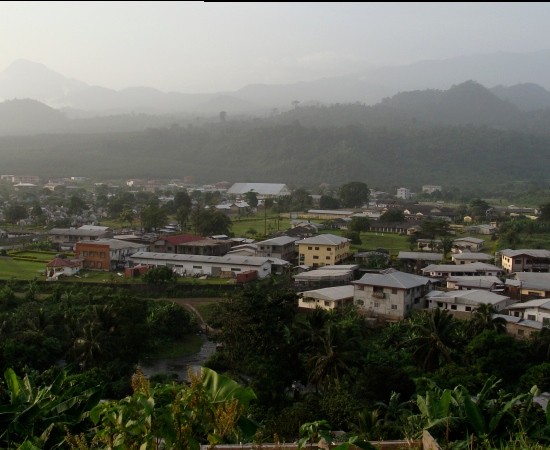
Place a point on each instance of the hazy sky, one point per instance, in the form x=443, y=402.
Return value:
x=196, y=47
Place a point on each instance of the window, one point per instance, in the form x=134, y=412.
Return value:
x=91, y=265
x=92, y=254
x=518, y=261
x=360, y=288
x=529, y=261
x=84, y=253
x=327, y=257
x=316, y=257
x=359, y=302
x=376, y=304
x=531, y=317
x=521, y=332
x=316, y=248
x=439, y=305
x=102, y=254
x=394, y=307
x=310, y=248
x=327, y=303
x=378, y=289
x=302, y=255
x=99, y=265
x=453, y=307
x=416, y=301
x=468, y=308
x=235, y=269
x=329, y=249
x=197, y=267
x=394, y=291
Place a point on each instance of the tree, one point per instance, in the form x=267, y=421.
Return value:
x=300, y=199
x=433, y=338
x=76, y=204
x=127, y=216
x=545, y=212
x=213, y=222
x=251, y=198
x=14, y=213
x=328, y=202
x=393, y=215
x=354, y=194
x=182, y=198
x=153, y=217
x=360, y=224
x=430, y=228
x=159, y=275
x=182, y=217
x=483, y=319
x=353, y=236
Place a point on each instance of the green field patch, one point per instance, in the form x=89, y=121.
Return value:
x=189, y=346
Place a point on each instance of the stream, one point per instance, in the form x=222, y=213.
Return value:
x=150, y=366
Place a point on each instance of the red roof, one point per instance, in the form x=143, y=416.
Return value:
x=59, y=262
x=180, y=239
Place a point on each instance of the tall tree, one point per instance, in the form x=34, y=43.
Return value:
x=354, y=194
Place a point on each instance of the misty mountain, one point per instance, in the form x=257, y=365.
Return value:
x=526, y=96
x=25, y=79
x=30, y=117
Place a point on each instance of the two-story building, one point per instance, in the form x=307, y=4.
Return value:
x=322, y=250
x=537, y=310
x=282, y=247
x=82, y=234
x=107, y=254
x=169, y=244
x=391, y=295
x=463, y=302
x=525, y=260
x=470, y=257
x=327, y=298
x=468, y=244
x=451, y=270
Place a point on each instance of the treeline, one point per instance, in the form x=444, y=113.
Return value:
x=292, y=153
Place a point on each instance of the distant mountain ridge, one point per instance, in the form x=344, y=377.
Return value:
x=26, y=79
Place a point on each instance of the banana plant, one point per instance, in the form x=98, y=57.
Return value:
x=33, y=411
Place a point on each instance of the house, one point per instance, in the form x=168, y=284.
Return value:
x=205, y=247
x=520, y=328
x=395, y=227
x=244, y=250
x=418, y=260
x=429, y=244
x=106, y=254
x=327, y=298
x=429, y=188
x=462, y=302
x=322, y=278
x=525, y=260
x=451, y=270
x=323, y=250
x=282, y=247
x=85, y=233
x=403, y=193
x=537, y=310
x=325, y=214
x=470, y=257
x=189, y=265
x=261, y=189
x=169, y=244
x=468, y=244
x=390, y=295
x=63, y=266
x=529, y=284
x=482, y=229
x=487, y=283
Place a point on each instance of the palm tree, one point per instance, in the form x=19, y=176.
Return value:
x=540, y=344
x=329, y=361
x=433, y=339
x=483, y=319
x=91, y=345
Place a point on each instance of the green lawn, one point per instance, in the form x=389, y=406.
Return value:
x=191, y=345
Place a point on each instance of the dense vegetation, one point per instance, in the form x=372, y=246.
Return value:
x=456, y=137
x=298, y=372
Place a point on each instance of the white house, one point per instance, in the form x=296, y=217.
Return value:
x=391, y=295
x=525, y=260
x=327, y=298
x=538, y=310
x=470, y=257
x=466, y=301
x=450, y=270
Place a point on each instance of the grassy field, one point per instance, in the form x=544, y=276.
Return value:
x=191, y=345
x=22, y=270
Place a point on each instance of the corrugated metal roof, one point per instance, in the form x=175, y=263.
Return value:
x=421, y=256
x=258, y=188
x=323, y=239
x=228, y=259
x=467, y=297
x=394, y=279
x=535, y=253
x=330, y=293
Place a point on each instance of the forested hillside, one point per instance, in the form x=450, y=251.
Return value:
x=290, y=153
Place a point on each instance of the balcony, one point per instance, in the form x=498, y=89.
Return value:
x=378, y=295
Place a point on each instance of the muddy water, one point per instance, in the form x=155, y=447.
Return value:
x=179, y=365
